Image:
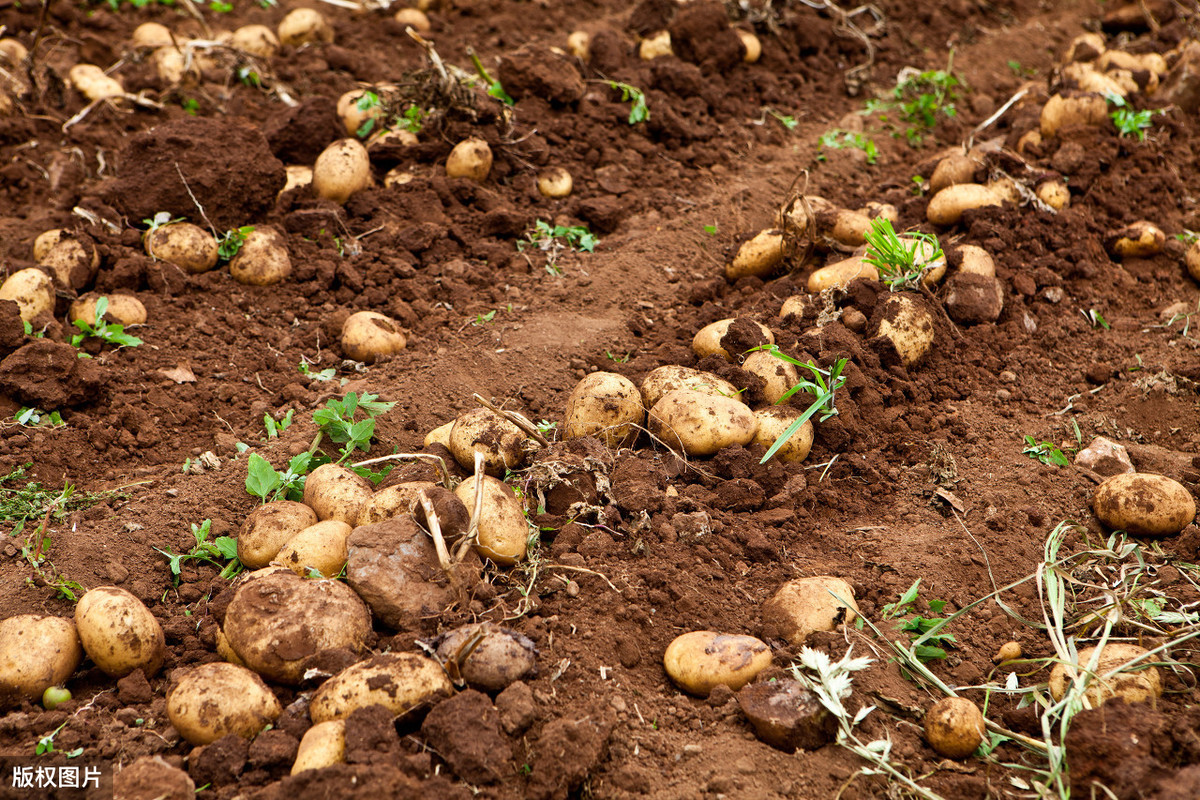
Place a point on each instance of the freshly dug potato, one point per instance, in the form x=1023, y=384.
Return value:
x=342, y=169
x=298, y=176
x=907, y=324
x=778, y=376
x=751, y=46
x=948, y=205
x=91, y=82
x=353, y=117
x=257, y=40
x=579, y=45
x=954, y=169
x=368, y=336
x=268, y=528
x=36, y=652
x=31, y=289
x=800, y=305
x=183, y=244
x=757, y=257
x=700, y=661
x=503, y=531
x=1066, y=112
x=1110, y=60
x=935, y=268
x=391, y=138
x=277, y=622
x=954, y=727
x=12, y=52
x=470, y=158
x=707, y=341
x=336, y=492
x=398, y=176
x=1144, y=504
x=555, y=183
x=1191, y=260
x=320, y=547
x=439, y=435
x=773, y=422
x=1085, y=78
x=1009, y=651
x=839, y=274
x=1086, y=47
x=72, y=260
x=1054, y=193
x=481, y=430
x=1029, y=140
x=400, y=682
x=806, y=605
x=701, y=424
x=875, y=210
x=172, y=66
x=123, y=309
x=1140, y=239
x=323, y=745
x=47, y=240
x=263, y=259
x=119, y=633
x=656, y=45
x=973, y=299
x=393, y=501
x=219, y=699
x=304, y=26
x=605, y=405
x=1140, y=684
x=415, y=18
x=486, y=656
x=666, y=379
x=152, y=35
x=976, y=261
x=225, y=650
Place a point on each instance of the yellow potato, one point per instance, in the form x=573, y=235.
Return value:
x=368, y=336
x=336, y=492
x=151, y=35
x=976, y=261
x=391, y=138
x=758, y=257
x=707, y=341
x=656, y=45
x=668, y=378
x=31, y=289
x=947, y=206
x=71, y=259
x=778, y=376
x=393, y=501
x=839, y=274
x=1029, y=140
x=1054, y=193
x=803, y=606
x=798, y=305
x=415, y=18
x=1191, y=260
x=1144, y=504
x=257, y=40
x=579, y=45
x=342, y=169
x=751, y=46
x=481, y=430
x=908, y=326
x=605, y=405
x=954, y=169
x=1064, y=112
x=555, y=183
x=353, y=117
x=304, y=26
x=218, y=699
x=700, y=424
x=773, y=422
x=91, y=82
x=1140, y=239
x=122, y=309
x=1086, y=47
x=1086, y=79
x=173, y=68
x=36, y=652
x=263, y=259
x=225, y=650
x=183, y=244
x=268, y=528
x=1139, y=684
x=503, y=529
x=323, y=745
x=298, y=176
x=1154, y=63
x=700, y=661
x=400, y=682
x=439, y=435
x=119, y=633
x=954, y=727
x=471, y=159
x=320, y=547
x=12, y=52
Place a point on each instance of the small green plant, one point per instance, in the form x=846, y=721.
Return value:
x=786, y=120
x=494, y=88
x=190, y=106
x=249, y=77
x=900, y=263
x=1045, y=452
x=36, y=418
x=918, y=185
x=111, y=333
x=326, y=374
x=411, y=120
x=921, y=629
x=711, y=230
x=922, y=98
x=268, y=484
x=1128, y=121
x=368, y=102
x=618, y=359
x=229, y=244
x=45, y=745
x=1188, y=237
x=159, y=220
x=220, y=7
x=220, y=552
x=552, y=240
x=483, y=319
x=338, y=424
x=546, y=428
x=838, y=139
x=1095, y=319
x=274, y=428
x=823, y=387
x=1019, y=70
x=638, y=112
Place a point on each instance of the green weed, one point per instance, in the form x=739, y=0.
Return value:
x=1128, y=121
x=220, y=552
x=36, y=418
x=918, y=628
x=230, y=243
x=1045, y=452
x=822, y=387
x=638, y=111
x=901, y=263
x=553, y=240
x=838, y=139
x=111, y=333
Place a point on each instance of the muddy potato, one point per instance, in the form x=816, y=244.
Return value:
x=1139, y=684
x=1140, y=239
x=471, y=159
x=751, y=46
x=257, y=40
x=173, y=68
x=1086, y=47
x=1085, y=78
x=486, y=656
x=579, y=44
x=1054, y=193
x=268, y=528
x=225, y=650
x=555, y=183
x=392, y=501
x=36, y=652
x=123, y=309
x=701, y=424
x=925, y=250
x=656, y=45
x=304, y=26
x=700, y=661
x=803, y=606
x=368, y=336
x=481, y=430
x=151, y=35
x=44, y=241
x=1144, y=504
x=219, y=699
x=439, y=435
x=391, y=138
x=336, y=492
x=1153, y=63
x=263, y=259
x=398, y=176
x=907, y=324
x=757, y=257
x=400, y=682
x=323, y=745
x=31, y=289
x=342, y=169
x=183, y=244
x=948, y=205
x=605, y=405
x=778, y=376
x=839, y=274
x=12, y=52
x=298, y=176
x=976, y=261
x=1029, y=140
x=954, y=169
x=71, y=259
x=707, y=341
x=320, y=547
x=118, y=632
x=1065, y=112
x=773, y=422
x=954, y=727
x=1191, y=260
x=668, y=378
x=415, y=18
x=91, y=82
x=503, y=532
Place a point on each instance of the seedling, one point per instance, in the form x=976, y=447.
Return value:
x=104, y=331
x=336, y=421
x=711, y=230
x=618, y=359
x=918, y=185
x=231, y=242
x=249, y=77
x=924, y=629
x=368, y=101
x=275, y=428
x=1095, y=319
x=1019, y=70
x=190, y=106
x=45, y=745
x=1045, y=452
x=922, y=98
x=217, y=552
x=786, y=120
x=1128, y=121
x=220, y=7
x=326, y=374
x=266, y=483
x=411, y=119
x=553, y=240
x=494, y=88
x=638, y=112
x=901, y=263
x=36, y=418
x=546, y=428
x=822, y=387
x=483, y=319
x=838, y=139
x=159, y=220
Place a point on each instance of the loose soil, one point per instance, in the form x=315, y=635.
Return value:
x=921, y=475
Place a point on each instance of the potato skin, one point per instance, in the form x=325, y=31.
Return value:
x=1191, y=260
x=91, y=82
x=1144, y=504
x=1135, y=686
x=183, y=244
x=839, y=274
x=268, y=528
x=323, y=745
x=119, y=633
x=392, y=501
x=486, y=656
x=1138, y=240
x=72, y=260
x=778, y=376
x=555, y=183
x=336, y=492
x=439, y=435
x=605, y=405
x=503, y=531
x=31, y=289
x=908, y=325
x=1062, y=112
x=803, y=606
x=471, y=158
x=400, y=682
x=342, y=169
x=953, y=169
x=976, y=261
x=214, y=700
x=36, y=652
x=773, y=421
x=321, y=547
x=368, y=336
x=699, y=661
x=700, y=424
x=668, y=378
x=257, y=40
x=263, y=259
x=501, y=442
x=757, y=257
x=954, y=727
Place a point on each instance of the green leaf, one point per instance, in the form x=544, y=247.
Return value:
x=261, y=477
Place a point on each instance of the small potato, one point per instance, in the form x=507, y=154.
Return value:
x=1009, y=651
x=839, y=274
x=486, y=656
x=1065, y=112
x=72, y=260
x=925, y=250
x=173, y=67
x=414, y=18
x=1153, y=63
x=391, y=138
x=268, y=528
x=954, y=727
x=119, y=633
x=123, y=309
x=907, y=324
x=806, y=605
x=579, y=45
x=605, y=405
x=656, y=45
x=976, y=261
x=342, y=169
x=708, y=340
x=336, y=492
x=12, y=52
x=1144, y=504
x=263, y=259
x=800, y=306
x=91, y=82
x=320, y=547
x=1191, y=260
x=46, y=240
x=503, y=530
x=954, y=169
x=183, y=244
x=1086, y=47
x=36, y=652
x=481, y=430
x=298, y=176
x=701, y=424
x=1140, y=239
x=218, y=699
x=778, y=376
x=700, y=661
x=257, y=40
x=671, y=377
x=758, y=257
x=471, y=159
x=398, y=176
x=948, y=205
x=353, y=117
x=151, y=35
x=1054, y=193
x=751, y=46
x=400, y=682
x=31, y=289
x=555, y=183
x=439, y=435
x=304, y=26
x=368, y=336
x=773, y=422
x=323, y=745
x=1139, y=684
x=1029, y=140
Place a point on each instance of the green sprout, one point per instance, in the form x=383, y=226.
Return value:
x=104, y=331
x=823, y=386
x=550, y=240
x=1044, y=452
x=220, y=552
x=230, y=244
x=838, y=139
x=31, y=417
x=786, y=120
x=494, y=88
x=921, y=629
x=638, y=112
x=1128, y=121
x=901, y=263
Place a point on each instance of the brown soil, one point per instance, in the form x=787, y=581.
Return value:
x=921, y=474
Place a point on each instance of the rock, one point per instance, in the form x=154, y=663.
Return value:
x=50, y=375
x=465, y=732
x=1105, y=457
x=152, y=778
x=517, y=708
x=972, y=299
x=394, y=568
x=787, y=716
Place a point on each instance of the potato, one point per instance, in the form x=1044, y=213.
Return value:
x=555, y=183
x=907, y=324
x=336, y=492
x=800, y=218
x=843, y=226
x=1064, y=112
x=875, y=210
x=1144, y=504
x=806, y=605
x=579, y=44
x=263, y=259
x=257, y=40
x=183, y=244
x=415, y=18
x=751, y=46
x=276, y=623
x=439, y=435
x=172, y=66
x=123, y=309
x=778, y=376
x=486, y=656
x=699, y=424
x=656, y=45
x=119, y=633
x=151, y=35
x=391, y=138
x=700, y=661
x=323, y=745
x=948, y=205
x=320, y=547
x=800, y=305
x=1009, y=651
x=839, y=274
x=398, y=176
x=503, y=529
x=671, y=377
x=91, y=82
x=298, y=176
x=483, y=430
x=605, y=405
x=1029, y=140
x=12, y=52
x=72, y=260
x=304, y=26
x=758, y=257
x=31, y=289
x=268, y=528
x=1140, y=239
x=1191, y=260
x=218, y=699
x=935, y=269
x=954, y=727
x=1110, y=60
x=353, y=117
x=44, y=241
x=707, y=341
x=368, y=336
x=471, y=159
x=225, y=650
x=342, y=169
x=36, y=652
x=954, y=169
x=400, y=682
x=1054, y=193
x=773, y=422
x=1139, y=684
x=1085, y=78
x=393, y=501
x=1086, y=47
x=975, y=261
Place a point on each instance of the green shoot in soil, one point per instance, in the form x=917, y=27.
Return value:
x=822, y=387
x=368, y=101
x=45, y=745
x=104, y=331
x=638, y=112
x=273, y=427
x=550, y=240
x=220, y=552
x=786, y=120
x=229, y=244
x=494, y=89
x=266, y=483
x=159, y=220
x=337, y=421
x=1128, y=121
x=896, y=259
x=326, y=374
x=924, y=629
x=1095, y=319
x=838, y=139
x=36, y=418
x=1045, y=452
x=922, y=98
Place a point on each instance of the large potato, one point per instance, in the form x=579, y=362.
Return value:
x=700, y=661
x=773, y=422
x=91, y=82
x=342, y=169
x=368, y=336
x=336, y=492
x=486, y=656
x=1139, y=684
x=439, y=435
x=708, y=341
x=471, y=159
x=320, y=547
x=1144, y=504
x=671, y=377
x=778, y=376
x=123, y=309
x=119, y=633
x=955, y=168
x=954, y=727
x=215, y=700
x=908, y=326
x=806, y=605
x=400, y=682
x=973, y=260
x=268, y=528
x=323, y=745
x=839, y=274
x=152, y=35
x=1066, y=112
x=31, y=289
x=263, y=259
x=605, y=405
x=188, y=246
x=757, y=257
x=482, y=430
x=700, y=424
x=393, y=501
x=948, y=206
x=304, y=26
x=36, y=652
x=503, y=529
